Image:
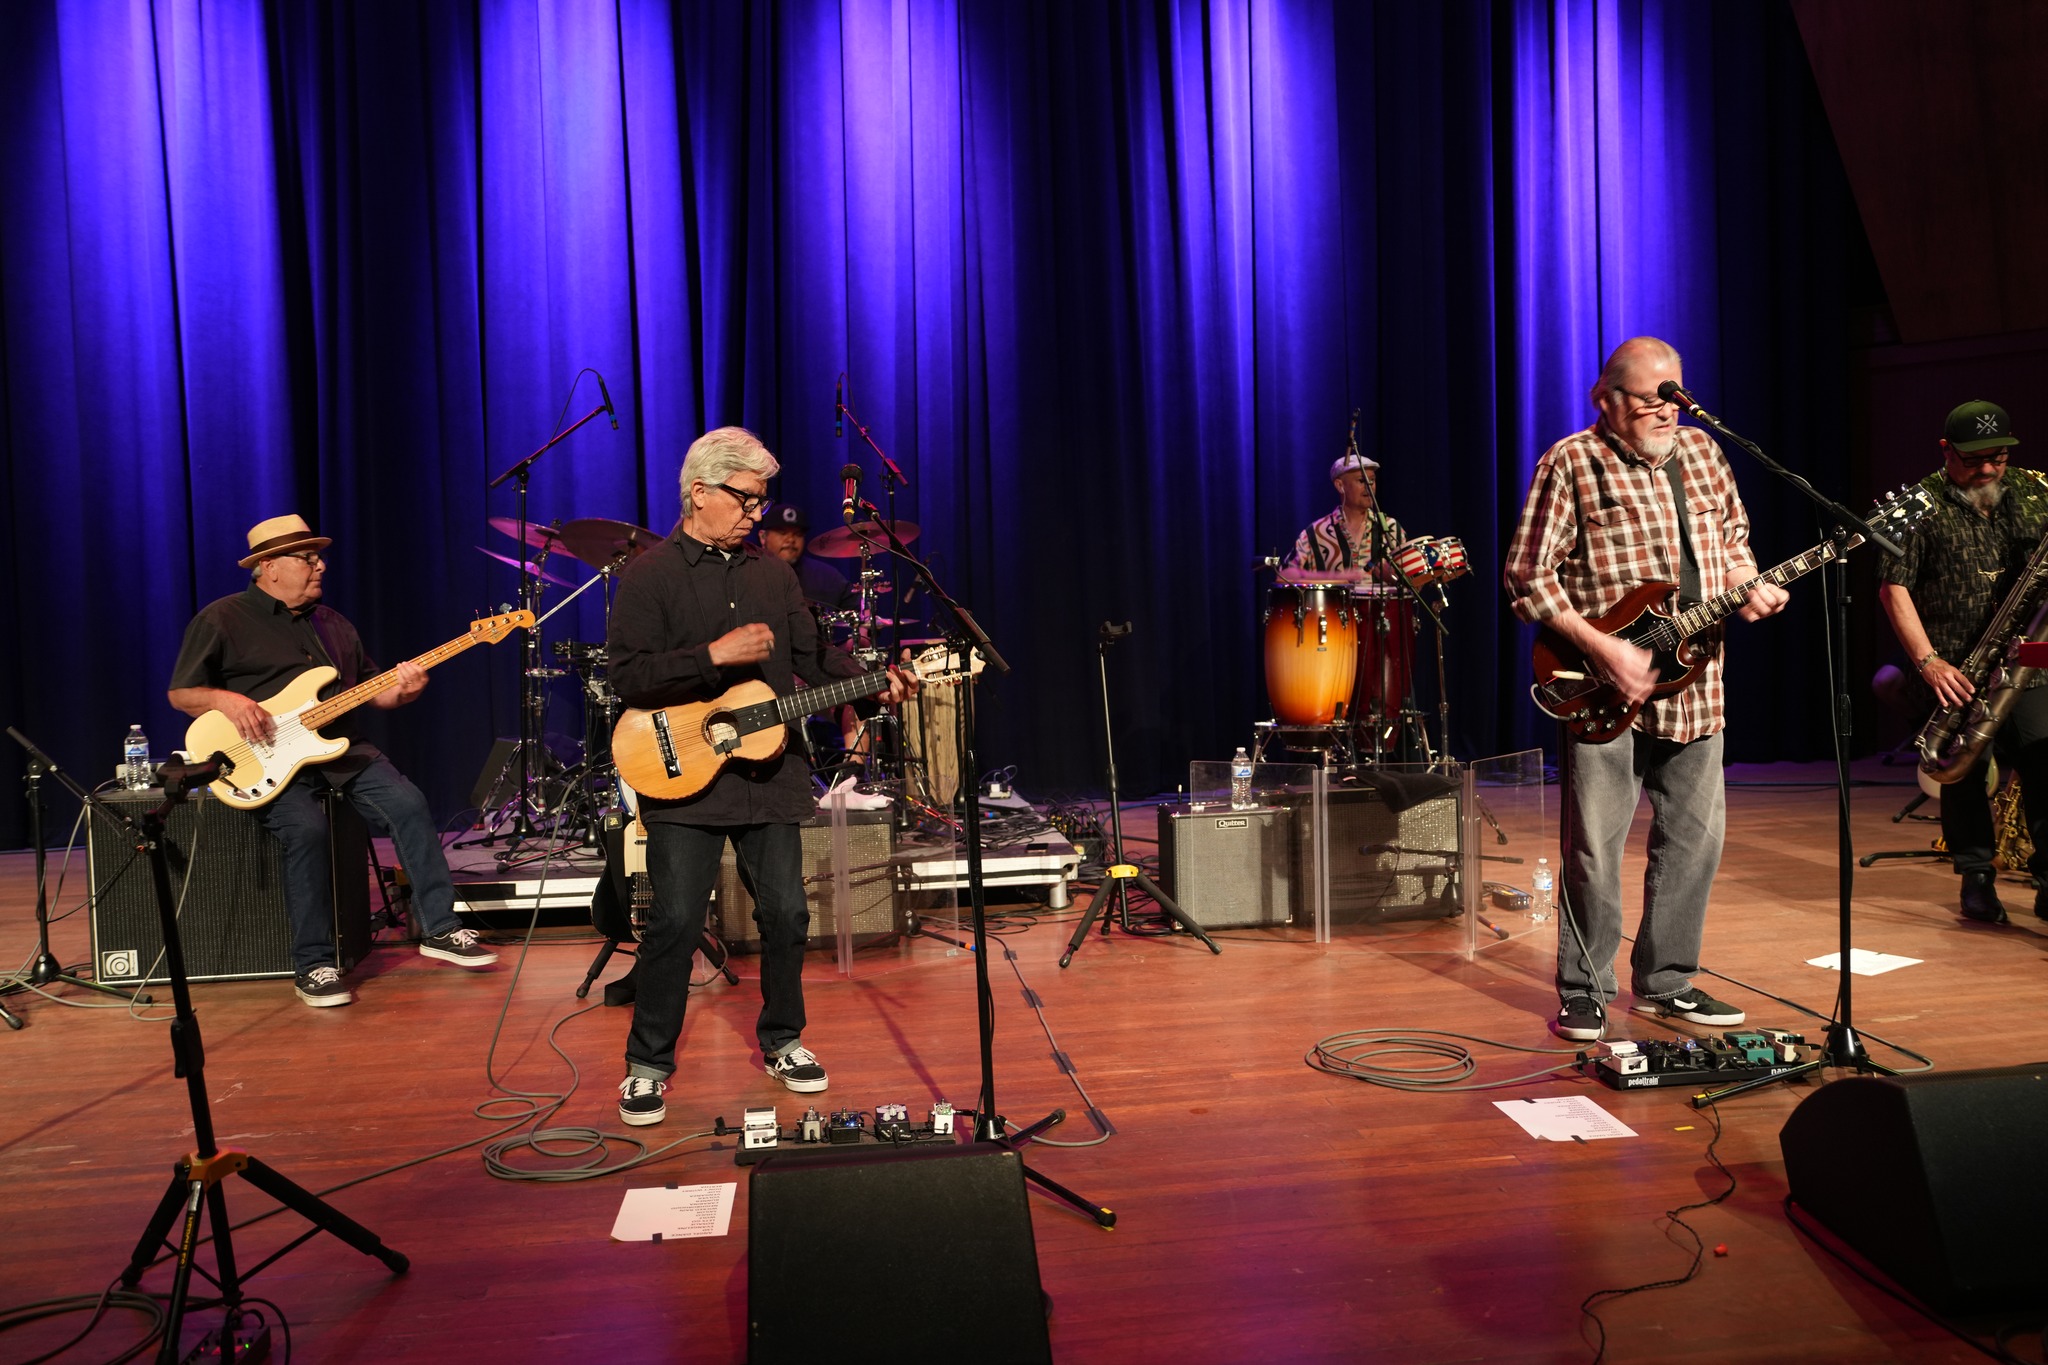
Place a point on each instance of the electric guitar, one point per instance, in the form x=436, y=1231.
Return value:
x=262, y=770
x=674, y=752
x=1567, y=688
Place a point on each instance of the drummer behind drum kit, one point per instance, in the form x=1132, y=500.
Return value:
x=1340, y=657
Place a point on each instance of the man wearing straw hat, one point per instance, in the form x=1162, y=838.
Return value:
x=242, y=649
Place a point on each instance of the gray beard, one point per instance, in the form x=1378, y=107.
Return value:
x=1657, y=448
x=1984, y=497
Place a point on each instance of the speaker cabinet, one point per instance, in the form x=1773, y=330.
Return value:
x=869, y=843
x=1385, y=865
x=1228, y=868
x=1930, y=1178
x=230, y=874
x=918, y=1254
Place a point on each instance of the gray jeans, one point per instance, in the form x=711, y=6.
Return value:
x=1603, y=784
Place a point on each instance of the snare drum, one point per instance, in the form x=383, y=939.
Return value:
x=1311, y=650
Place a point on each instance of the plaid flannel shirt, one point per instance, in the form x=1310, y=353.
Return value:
x=1599, y=522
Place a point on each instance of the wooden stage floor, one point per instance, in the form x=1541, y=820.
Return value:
x=1267, y=1212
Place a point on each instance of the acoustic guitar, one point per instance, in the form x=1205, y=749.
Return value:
x=262, y=770
x=1568, y=689
x=674, y=752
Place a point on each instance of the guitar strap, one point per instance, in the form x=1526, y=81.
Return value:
x=1688, y=566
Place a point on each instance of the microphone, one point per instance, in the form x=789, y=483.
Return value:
x=609, y=410
x=1670, y=392
x=838, y=407
x=851, y=473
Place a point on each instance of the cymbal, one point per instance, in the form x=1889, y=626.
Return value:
x=531, y=566
x=843, y=542
x=598, y=542
x=538, y=536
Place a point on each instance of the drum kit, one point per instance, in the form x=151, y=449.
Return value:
x=534, y=800
x=1340, y=650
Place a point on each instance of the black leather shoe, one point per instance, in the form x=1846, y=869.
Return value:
x=1980, y=898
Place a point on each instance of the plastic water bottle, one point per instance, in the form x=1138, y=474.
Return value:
x=135, y=764
x=1240, y=779
x=1542, y=892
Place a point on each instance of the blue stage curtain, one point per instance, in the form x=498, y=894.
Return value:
x=1108, y=281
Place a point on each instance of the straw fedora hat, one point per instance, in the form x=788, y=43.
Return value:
x=281, y=536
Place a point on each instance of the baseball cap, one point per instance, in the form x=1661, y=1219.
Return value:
x=1978, y=425
x=785, y=516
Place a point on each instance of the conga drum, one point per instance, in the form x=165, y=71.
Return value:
x=1311, y=650
x=1386, y=648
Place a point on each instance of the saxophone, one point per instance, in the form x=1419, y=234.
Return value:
x=1955, y=737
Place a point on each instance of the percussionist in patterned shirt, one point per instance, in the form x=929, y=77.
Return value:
x=1635, y=498
x=1357, y=539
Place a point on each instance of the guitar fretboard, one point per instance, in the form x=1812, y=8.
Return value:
x=1674, y=631
x=318, y=716
x=797, y=705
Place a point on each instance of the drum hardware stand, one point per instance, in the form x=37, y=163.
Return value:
x=1404, y=714
x=892, y=479
x=1118, y=872
x=533, y=699
x=1844, y=1046
x=967, y=638
x=197, y=1191
x=45, y=970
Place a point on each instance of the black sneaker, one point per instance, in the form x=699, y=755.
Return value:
x=798, y=1070
x=1980, y=898
x=640, y=1100
x=322, y=988
x=459, y=946
x=1580, y=1018
x=1695, y=1007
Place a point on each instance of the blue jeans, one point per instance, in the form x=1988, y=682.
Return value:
x=682, y=861
x=1603, y=784
x=392, y=806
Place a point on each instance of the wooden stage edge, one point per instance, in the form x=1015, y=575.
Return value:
x=1267, y=1212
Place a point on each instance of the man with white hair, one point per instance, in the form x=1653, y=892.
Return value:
x=700, y=612
x=1633, y=499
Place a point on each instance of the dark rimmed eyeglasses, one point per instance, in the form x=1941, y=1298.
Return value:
x=1996, y=456
x=1647, y=402
x=307, y=557
x=750, y=503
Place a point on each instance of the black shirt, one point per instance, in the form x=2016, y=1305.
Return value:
x=672, y=603
x=253, y=644
x=1960, y=563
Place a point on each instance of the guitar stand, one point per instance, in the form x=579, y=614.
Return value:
x=197, y=1180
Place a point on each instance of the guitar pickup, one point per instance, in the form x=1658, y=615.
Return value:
x=666, y=743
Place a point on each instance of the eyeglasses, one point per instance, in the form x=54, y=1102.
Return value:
x=1647, y=402
x=307, y=557
x=1998, y=456
x=750, y=503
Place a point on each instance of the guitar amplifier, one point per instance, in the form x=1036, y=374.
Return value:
x=1228, y=868
x=878, y=911
x=229, y=875
x=1385, y=864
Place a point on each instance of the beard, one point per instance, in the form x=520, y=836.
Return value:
x=1657, y=447
x=1985, y=497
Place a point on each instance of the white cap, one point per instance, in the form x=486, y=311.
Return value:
x=1344, y=464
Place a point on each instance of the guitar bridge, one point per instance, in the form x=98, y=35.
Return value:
x=665, y=743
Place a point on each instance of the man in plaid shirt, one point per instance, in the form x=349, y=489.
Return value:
x=1632, y=499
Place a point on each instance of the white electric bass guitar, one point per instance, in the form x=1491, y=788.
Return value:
x=263, y=770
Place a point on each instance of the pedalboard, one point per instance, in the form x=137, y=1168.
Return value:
x=887, y=1125
x=1625, y=1064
